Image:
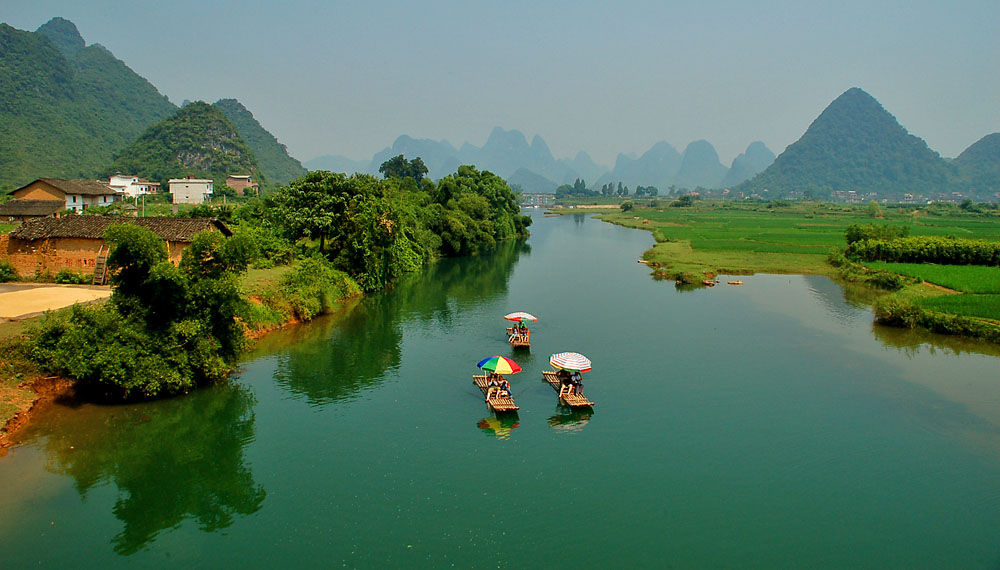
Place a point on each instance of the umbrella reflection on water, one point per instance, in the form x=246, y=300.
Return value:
x=569, y=419
x=499, y=427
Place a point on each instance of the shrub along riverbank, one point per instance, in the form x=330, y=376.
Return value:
x=323, y=238
x=700, y=240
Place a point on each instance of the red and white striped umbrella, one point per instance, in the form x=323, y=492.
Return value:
x=520, y=317
x=572, y=361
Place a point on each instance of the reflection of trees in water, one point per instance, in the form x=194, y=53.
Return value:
x=171, y=460
x=911, y=341
x=336, y=358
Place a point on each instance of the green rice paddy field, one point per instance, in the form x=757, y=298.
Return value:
x=719, y=238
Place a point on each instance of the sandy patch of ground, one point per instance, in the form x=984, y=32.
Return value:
x=19, y=302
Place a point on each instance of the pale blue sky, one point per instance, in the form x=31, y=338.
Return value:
x=349, y=77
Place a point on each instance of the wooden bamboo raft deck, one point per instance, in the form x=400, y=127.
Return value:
x=518, y=342
x=498, y=404
x=571, y=400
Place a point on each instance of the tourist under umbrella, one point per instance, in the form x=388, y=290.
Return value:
x=495, y=366
x=570, y=366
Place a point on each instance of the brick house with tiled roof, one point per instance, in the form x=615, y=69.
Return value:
x=50, y=245
x=77, y=195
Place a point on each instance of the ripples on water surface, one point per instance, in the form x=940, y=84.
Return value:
x=769, y=425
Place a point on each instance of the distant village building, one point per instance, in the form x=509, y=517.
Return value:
x=190, y=190
x=27, y=210
x=76, y=195
x=132, y=186
x=74, y=242
x=243, y=184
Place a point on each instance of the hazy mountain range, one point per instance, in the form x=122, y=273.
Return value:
x=533, y=167
x=75, y=111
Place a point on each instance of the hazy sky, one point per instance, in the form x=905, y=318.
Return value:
x=349, y=77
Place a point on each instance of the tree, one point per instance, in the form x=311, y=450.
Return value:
x=399, y=167
x=627, y=206
x=312, y=206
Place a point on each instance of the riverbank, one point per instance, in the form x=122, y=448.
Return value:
x=696, y=243
x=277, y=297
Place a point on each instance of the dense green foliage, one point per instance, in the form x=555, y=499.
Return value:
x=275, y=163
x=979, y=166
x=577, y=190
x=927, y=249
x=399, y=167
x=69, y=110
x=855, y=144
x=375, y=230
x=196, y=141
x=166, y=329
x=7, y=271
x=897, y=311
x=859, y=232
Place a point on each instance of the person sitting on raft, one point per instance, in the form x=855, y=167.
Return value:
x=522, y=331
x=504, y=388
x=576, y=379
x=565, y=381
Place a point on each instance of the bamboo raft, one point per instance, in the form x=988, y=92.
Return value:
x=571, y=400
x=496, y=403
x=517, y=341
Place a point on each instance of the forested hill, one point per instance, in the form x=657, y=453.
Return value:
x=197, y=141
x=276, y=164
x=979, y=167
x=65, y=107
x=855, y=144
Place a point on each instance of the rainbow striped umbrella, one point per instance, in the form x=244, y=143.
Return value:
x=520, y=317
x=572, y=361
x=499, y=364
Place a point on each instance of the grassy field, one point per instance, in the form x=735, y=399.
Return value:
x=712, y=238
x=970, y=305
x=739, y=238
x=962, y=278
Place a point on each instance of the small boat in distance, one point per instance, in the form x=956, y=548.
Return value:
x=518, y=335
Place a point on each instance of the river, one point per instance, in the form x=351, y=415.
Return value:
x=768, y=425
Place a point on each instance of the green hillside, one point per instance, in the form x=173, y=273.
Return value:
x=979, y=167
x=855, y=144
x=65, y=108
x=276, y=164
x=197, y=141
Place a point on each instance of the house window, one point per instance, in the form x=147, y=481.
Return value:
x=74, y=199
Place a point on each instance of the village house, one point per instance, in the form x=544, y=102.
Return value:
x=75, y=195
x=190, y=190
x=132, y=186
x=243, y=184
x=27, y=210
x=76, y=243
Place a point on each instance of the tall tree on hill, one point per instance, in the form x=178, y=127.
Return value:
x=399, y=167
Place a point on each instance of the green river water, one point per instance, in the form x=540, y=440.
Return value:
x=764, y=426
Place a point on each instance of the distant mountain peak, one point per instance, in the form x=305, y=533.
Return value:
x=855, y=145
x=63, y=34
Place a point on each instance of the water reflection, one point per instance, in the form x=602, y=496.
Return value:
x=499, y=427
x=912, y=342
x=364, y=343
x=842, y=301
x=170, y=460
x=570, y=419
